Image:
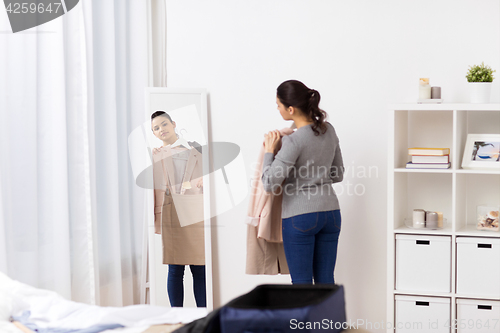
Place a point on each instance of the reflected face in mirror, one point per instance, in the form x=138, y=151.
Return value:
x=164, y=129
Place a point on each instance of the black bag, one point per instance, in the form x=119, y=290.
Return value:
x=277, y=309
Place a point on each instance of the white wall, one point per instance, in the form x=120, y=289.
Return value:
x=361, y=56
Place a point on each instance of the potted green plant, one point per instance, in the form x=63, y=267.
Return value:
x=480, y=78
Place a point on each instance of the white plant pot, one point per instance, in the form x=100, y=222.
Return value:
x=480, y=92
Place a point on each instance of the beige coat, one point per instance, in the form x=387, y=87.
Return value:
x=181, y=245
x=265, y=252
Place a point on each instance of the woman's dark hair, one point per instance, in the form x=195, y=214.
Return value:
x=295, y=93
x=160, y=113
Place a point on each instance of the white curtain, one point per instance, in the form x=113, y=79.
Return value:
x=71, y=90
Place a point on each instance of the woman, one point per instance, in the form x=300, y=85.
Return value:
x=181, y=245
x=307, y=163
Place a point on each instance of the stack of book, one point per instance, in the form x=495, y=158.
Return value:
x=429, y=158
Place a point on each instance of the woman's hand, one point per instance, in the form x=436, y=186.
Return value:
x=272, y=141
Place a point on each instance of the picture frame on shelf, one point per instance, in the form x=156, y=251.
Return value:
x=482, y=151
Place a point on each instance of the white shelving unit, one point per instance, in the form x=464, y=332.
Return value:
x=456, y=192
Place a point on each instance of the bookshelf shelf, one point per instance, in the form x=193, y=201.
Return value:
x=423, y=170
x=455, y=191
x=446, y=107
x=410, y=293
x=478, y=172
x=470, y=230
x=405, y=230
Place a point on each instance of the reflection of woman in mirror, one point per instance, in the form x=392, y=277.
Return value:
x=178, y=168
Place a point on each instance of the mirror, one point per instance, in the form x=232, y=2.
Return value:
x=170, y=154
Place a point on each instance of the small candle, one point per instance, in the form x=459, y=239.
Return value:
x=418, y=218
x=424, y=89
x=440, y=219
x=435, y=92
x=431, y=220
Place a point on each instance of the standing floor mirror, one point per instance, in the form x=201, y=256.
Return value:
x=174, y=164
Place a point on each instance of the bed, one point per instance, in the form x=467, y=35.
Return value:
x=50, y=312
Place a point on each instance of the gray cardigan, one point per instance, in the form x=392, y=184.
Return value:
x=304, y=170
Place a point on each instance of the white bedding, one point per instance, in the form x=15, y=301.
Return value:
x=48, y=309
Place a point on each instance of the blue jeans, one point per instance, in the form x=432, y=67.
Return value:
x=175, y=285
x=310, y=241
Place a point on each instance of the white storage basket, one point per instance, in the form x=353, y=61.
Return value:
x=416, y=314
x=478, y=267
x=423, y=263
x=478, y=316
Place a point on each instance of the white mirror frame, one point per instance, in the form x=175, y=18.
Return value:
x=180, y=95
